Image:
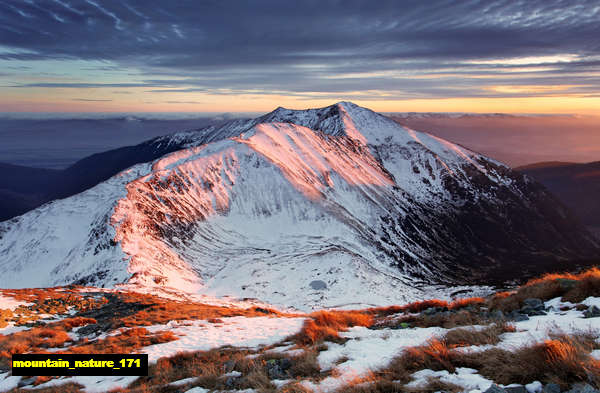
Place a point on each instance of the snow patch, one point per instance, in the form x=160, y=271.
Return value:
x=240, y=332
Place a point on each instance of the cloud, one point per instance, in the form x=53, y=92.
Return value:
x=312, y=47
x=182, y=102
x=90, y=100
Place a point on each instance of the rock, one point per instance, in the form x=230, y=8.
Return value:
x=536, y=312
x=516, y=389
x=495, y=389
x=551, y=388
x=285, y=364
x=592, y=312
x=230, y=382
x=26, y=381
x=277, y=368
x=318, y=285
x=498, y=314
x=517, y=316
x=434, y=310
x=229, y=366
x=533, y=303
x=582, y=388
x=430, y=311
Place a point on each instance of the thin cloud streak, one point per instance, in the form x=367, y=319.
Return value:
x=308, y=50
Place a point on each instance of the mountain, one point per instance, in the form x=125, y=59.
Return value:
x=25, y=188
x=576, y=185
x=304, y=208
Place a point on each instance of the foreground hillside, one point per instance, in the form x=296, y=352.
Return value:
x=543, y=336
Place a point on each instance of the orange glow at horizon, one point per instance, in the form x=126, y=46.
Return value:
x=96, y=100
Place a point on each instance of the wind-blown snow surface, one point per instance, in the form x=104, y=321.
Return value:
x=234, y=331
x=265, y=207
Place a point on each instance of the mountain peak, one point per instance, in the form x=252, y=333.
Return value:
x=339, y=194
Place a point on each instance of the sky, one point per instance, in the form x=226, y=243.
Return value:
x=533, y=56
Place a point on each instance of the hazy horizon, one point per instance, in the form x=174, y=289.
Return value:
x=58, y=140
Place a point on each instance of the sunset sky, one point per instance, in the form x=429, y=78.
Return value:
x=251, y=56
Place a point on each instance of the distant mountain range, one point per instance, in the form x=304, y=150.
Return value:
x=306, y=208
x=23, y=188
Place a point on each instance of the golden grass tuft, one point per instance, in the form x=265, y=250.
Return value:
x=571, y=287
x=326, y=325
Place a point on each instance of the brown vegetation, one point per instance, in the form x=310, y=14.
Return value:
x=572, y=287
x=489, y=335
x=563, y=360
x=156, y=310
x=128, y=341
x=417, y=307
x=326, y=325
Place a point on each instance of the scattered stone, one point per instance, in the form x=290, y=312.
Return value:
x=229, y=366
x=26, y=382
x=592, y=312
x=318, y=285
x=551, y=388
x=517, y=316
x=533, y=306
x=495, y=389
x=498, y=314
x=435, y=310
x=230, y=382
x=534, y=303
x=583, y=388
x=277, y=368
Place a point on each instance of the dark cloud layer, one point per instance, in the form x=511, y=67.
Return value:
x=302, y=47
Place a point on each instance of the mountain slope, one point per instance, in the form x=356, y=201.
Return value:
x=576, y=185
x=299, y=208
x=29, y=188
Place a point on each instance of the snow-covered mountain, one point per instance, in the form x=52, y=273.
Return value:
x=301, y=208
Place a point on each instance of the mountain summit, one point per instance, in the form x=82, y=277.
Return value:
x=301, y=208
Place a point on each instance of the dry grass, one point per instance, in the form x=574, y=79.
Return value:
x=128, y=341
x=446, y=320
x=572, y=287
x=64, y=388
x=490, y=335
x=55, y=300
x=210, y=366
x=326, y=325
x=54, y=335
x=563, y=360
x=32, y=340
x=156, y=310
x=420, y=306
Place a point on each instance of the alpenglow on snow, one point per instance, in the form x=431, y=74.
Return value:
x=261, y=208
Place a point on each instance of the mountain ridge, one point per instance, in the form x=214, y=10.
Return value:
x=357, y=201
